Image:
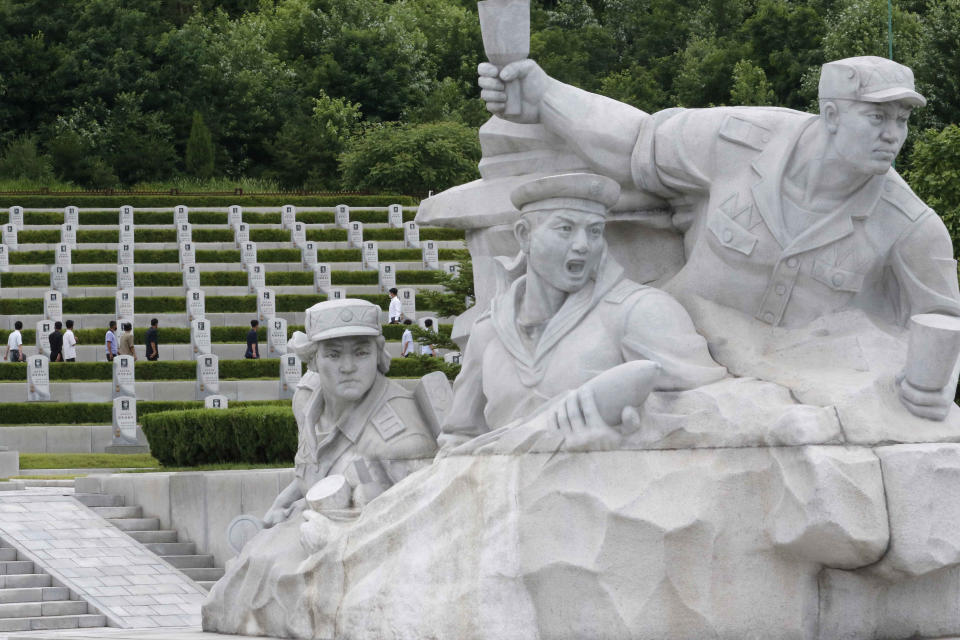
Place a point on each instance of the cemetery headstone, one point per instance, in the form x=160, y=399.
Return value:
x=256, y=277
x=58, y=279
x=234, y=215
x=181, y=215
x=200, y=337
x=126, y=215
x=298, y=234
x=452, y=269
x=408, y=302
x=241, y=234
x=454, y=357
x=341, y=216
x=336, y=293
x=387, y=276
x=38, y=378
x=62, y=257
x=68, y=234
x=431, y=255
x=124, y=277
x=248, y=253
x=44, y=329
x=10, y=235
x=123, y=303
x=369, y=256
x=355, y=234
x=71, y=216
x=308, y=255
x=208, y=376
x=290, y=374
x=277, y=337
x=125, y=254
x=321, y=278
x=184, y=233
x=195, y=304
x=266, y=304
x=188, y=254
x=191, y=277
x=124, y=379
x=4, y=259
x=288, y=216
x=395, y=216
x=411, y=235
x=16, y=216
x=126, y=234
x=53, y=306
x=124, y=420
x=216, y=402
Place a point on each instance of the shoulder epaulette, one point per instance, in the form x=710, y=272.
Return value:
x=741, y=131
x=898, y=194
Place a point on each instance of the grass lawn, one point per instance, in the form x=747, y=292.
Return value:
x=87, y=461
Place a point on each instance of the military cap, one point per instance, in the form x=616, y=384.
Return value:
x=868, y=79
x=587, y=192
x=339, y=318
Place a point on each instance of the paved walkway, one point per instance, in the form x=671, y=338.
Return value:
x=127, y=582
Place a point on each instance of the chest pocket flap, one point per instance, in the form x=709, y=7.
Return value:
x=388, y=423
x=730, y=234
x=837, y=278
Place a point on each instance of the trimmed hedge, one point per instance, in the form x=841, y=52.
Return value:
x=253, y=200
x=26, y=413
x=262, y=435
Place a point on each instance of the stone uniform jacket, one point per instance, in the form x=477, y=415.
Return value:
x=385, y=436
x=884, y=251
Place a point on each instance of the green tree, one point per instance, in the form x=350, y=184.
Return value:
x=935, y=175
x=22, y=159
x=411, y=158
x=636, y=86
x=200, y=151
x=750, y=86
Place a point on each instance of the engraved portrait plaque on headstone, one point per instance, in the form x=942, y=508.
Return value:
x=16, y=216
x=124, y=306
x=234, y=215
x=216, y=402
x=62, y=257
x=200, y=337
x=341, y=216
x=290, y=374
x=387, y=276
x=308, y=255
x=298, y=234
x=43, y=331
x=369, y=256
x=355, y=234
x=58, y=279
x=321, y=278
x=126, y=234
x=248, y=252
x=411, y=235
x=395, y=216
x=38, y=378
x=126, y=215
x=195, y=304
x=188, y=254
x=191, y=277
x=241, y=234
x=71, y=215
x=53, y=305
x=336, y=293
x=10, y=235
x=277, y=337
x=124, y=277
x=454, y=357
x=125, y=254
x=184, y=233
x=288, y=215
x=431, y=255
x=68, y=234
x=256, y=277
x=124, y=420
x=180, y=215
x=452, y=269
x=408, y=302
x=266, y=304
x=208, y=376
x=124, y=380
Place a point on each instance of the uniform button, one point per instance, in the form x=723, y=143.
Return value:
x=837, y=279
x=768, y=317
x=792, y=263
x=727, y=235
x=780, y=289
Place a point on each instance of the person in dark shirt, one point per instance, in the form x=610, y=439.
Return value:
x=253, y=345
x=56, y=343
x=153, y=351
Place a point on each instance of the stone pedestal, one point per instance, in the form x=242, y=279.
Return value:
x=9, y=463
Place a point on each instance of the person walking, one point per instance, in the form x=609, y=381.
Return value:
x=69, y=344
x=253, y=344
x=153, y=352
x=396, y=307
x=110, y=341
x=126, y=341
x=428, y=349
x=56, y=342
x=406, y=341
x=15, y=344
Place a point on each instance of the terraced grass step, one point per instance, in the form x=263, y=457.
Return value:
x=225, y=234
x=154, y=256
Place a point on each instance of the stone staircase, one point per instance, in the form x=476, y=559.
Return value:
x=29, y=601
x=147, y=531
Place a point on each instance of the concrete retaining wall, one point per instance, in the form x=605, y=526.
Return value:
x=60, y=438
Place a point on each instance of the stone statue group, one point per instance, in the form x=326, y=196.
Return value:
x=811, y=321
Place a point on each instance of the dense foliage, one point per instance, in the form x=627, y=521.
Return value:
x=381, y=94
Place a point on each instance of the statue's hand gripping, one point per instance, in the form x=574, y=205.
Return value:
x=534, y=83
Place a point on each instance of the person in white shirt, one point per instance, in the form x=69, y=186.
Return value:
x=15, y=344
x=406, y=341
x=428, y=349
x=396, y=308
x=69, y=344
